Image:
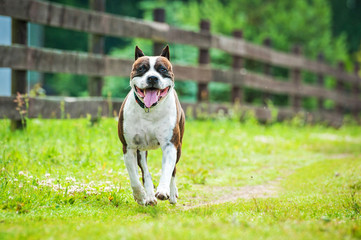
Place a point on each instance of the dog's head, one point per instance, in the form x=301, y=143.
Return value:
x=152, y=78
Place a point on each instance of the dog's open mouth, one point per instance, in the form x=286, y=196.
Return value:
x=151, y=96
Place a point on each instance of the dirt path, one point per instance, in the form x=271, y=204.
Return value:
x=231, y=194
x=208, y=195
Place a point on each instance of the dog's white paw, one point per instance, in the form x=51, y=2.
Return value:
x=173, y=195
x=162, y=193
x=139, y=196
x=151, y=201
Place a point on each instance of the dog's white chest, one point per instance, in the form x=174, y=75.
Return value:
x=149, y=130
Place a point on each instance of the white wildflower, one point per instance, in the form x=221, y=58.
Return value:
x=50, y=181
x=264, y=139
x=20, y=185
x=35, y=187
x=21, y=173
x=56, y=187
x=42, y=183
x=47, y=175
x=10, y=197
x=31, y=177
x=15, y=179
x=70, y=179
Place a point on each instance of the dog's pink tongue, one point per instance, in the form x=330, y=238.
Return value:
x=150, y=98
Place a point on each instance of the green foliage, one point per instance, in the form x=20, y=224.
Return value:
x=308, y=23
x=345, y=21
x=66, y=85
x=286, y=22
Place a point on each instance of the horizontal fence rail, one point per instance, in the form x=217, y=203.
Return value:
x=20, y=58
x=70, y=107
x=56, y=15
x=46, y=60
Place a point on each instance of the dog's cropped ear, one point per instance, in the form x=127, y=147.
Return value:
x=165, y=52
x=138, y=53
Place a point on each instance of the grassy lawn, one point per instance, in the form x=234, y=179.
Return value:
x=65, y=179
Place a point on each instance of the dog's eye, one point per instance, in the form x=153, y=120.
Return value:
x=141, y=69
x=162, y=69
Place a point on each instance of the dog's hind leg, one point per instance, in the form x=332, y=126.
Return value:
x=130, y=160
x=146, y=177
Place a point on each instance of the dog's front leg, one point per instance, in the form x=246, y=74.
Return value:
x=168, y=164
x=130, y=159
x=147, y=179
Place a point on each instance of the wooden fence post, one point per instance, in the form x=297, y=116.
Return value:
x=237, y=64
x=204, y=59
x=340, y=87
x=267, y=70
x=19, y=35
x=356, y=91
x=296, y=100
x=158, y=16
x=320, y=82
x=96, y=45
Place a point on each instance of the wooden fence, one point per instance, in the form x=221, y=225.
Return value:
x=20, y=58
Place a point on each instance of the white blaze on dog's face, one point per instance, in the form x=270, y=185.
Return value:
x=151, y=77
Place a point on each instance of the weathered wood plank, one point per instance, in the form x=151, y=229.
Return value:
x=64, y=108
x=60, y=107
x=106, y=24
x=96, y=45
x=272, y=85
x=356, y=90
x=19, y=35
x=320, y=82
x=267, y=70
x=158, y=16
x=46, y=60
x=203, y=60
x=296, y=80
x=199, y=74
x=237, y=92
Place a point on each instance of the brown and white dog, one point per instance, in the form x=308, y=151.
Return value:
x=151, y=117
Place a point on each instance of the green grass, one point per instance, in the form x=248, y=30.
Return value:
x=66, y=179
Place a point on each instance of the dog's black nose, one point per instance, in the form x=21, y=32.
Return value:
x=152, y=80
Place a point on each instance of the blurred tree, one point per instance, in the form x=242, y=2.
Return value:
x=346, y=19
x=66, y=85
x=308, y=23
